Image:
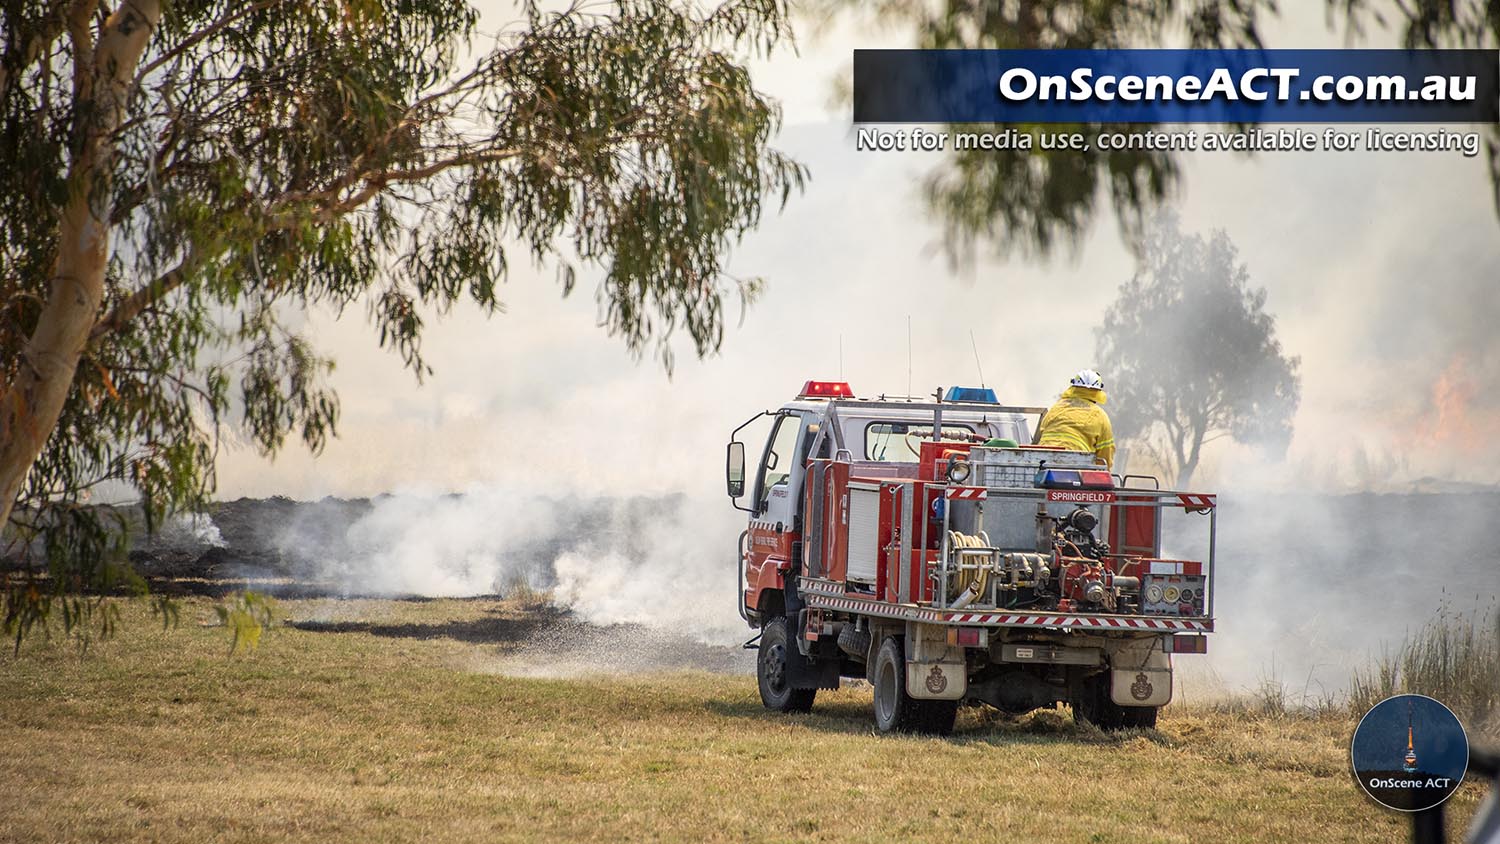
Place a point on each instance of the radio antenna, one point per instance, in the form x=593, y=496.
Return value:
x=977, y=365
x=908, y=354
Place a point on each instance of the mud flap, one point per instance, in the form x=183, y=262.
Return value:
x=810, y=665
x=937, y=680
x=934, y=670
x=1141, y=674
x=1141, y=686
x=811, y=673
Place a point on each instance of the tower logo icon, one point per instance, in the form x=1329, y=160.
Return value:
x=1410, y=763
x=1415, y=774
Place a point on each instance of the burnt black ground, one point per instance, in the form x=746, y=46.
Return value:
x=285, y=547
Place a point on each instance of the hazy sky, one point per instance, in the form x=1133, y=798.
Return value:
x=1381, y=270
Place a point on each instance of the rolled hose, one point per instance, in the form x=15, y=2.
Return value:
x=967, y=584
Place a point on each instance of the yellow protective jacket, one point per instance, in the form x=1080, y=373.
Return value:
x=1078, y=423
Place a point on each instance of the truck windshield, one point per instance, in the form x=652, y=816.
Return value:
x=900, y=442
x=895, y=435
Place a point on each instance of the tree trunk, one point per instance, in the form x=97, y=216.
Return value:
x=33, y=401
x=1185, y=477
x=1177, y=436
x=1199, y=431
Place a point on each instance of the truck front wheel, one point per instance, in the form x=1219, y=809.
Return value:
x=895, y=710
x=771, y=671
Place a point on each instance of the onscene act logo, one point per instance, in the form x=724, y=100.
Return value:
x=1409, y=752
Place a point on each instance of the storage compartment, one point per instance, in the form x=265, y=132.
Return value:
x=864, y=532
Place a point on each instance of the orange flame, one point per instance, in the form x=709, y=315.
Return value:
x=1453, y=421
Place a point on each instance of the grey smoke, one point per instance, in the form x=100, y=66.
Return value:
x=665, y=562
x=1309, y=585
x=1312, y=586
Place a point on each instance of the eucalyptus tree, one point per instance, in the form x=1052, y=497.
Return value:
x=179, y=180
x=1193, y=353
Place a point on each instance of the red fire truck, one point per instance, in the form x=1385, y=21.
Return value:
x=926, y=546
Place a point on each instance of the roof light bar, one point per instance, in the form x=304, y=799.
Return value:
x=826, y=390
x=973, y=394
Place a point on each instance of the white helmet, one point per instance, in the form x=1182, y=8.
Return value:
x=1088, y=379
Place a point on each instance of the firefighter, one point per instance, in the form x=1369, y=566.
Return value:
x=1077, y=422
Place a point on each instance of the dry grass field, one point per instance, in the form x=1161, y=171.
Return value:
x=452, y=721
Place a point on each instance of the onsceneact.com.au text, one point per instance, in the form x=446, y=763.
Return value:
x=1257, y=84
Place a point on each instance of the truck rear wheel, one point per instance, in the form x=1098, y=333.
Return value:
x=895, y=710
x=771, y=672
x=1091, y=702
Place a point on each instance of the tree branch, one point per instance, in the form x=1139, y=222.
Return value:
x=21, y=56
x=282, y=217
x=131, y=306
x=328, y=206
x=202, y=35
x=82, y=38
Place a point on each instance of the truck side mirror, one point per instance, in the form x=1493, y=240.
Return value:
x=734, y=469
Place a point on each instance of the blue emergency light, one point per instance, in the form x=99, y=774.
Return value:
x=984, y=395
x=1073, y=479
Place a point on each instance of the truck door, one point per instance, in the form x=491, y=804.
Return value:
x=774, y=522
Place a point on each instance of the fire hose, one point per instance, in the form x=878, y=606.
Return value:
x=969, y=583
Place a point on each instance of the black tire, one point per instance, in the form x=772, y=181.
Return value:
x=895, y=710
x=771, y=675
x=937, y=716
x=1140, y=717
x=1092, y=703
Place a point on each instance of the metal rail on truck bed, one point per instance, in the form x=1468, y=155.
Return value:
x=1190, y=502
x=819, y=593
x=832, y=594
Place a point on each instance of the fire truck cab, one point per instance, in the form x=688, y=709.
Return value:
x=926, y=546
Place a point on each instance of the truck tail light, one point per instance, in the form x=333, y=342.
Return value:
x=1185, y=644
x=967, y=637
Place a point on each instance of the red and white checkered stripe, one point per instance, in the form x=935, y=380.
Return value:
x=1194, y=501
x=1001, y=619
x=967, y=493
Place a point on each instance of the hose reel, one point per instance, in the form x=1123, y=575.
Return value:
x=971, y=561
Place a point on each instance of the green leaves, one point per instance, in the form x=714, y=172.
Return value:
x=1037, y=201
x=645, y=149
